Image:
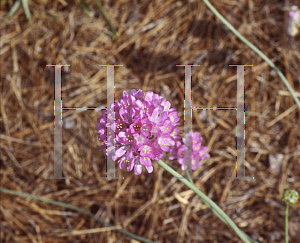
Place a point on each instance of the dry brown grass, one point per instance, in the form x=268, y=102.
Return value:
x=154, y=37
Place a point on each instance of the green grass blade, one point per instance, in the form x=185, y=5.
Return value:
x=14, y=9
x=86, y=8
x=105, y=15
x=81, y=210
x=210, y=204
x=26, y=9
x=255, y=49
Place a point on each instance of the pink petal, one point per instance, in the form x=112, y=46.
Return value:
x=102, y=147
x=122, y=164
x=145, y=161
x=130, y=166
x=137, y=169
x=149, y=169
x=120, y=152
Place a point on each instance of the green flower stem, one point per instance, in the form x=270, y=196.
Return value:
x=217, y=214
x=189, y=176
x=81, y=210
x=286, y=236
x=255, y=49
x=289, y=197
x=210, y=204
x=206, y=202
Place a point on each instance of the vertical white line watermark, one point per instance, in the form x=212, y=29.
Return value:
x=110, y=150
x=110, y=147
x=188, y=116
x=110, y=167
x=240, y=124
x=240, y=118
x=58, y=124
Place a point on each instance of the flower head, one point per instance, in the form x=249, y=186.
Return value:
x=192, y=148
x=290, y=197
x=144, y=128
x=293, y=23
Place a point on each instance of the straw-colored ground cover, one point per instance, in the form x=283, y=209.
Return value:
x=154, y=36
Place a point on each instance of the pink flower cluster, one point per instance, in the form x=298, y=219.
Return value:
x=293, y=23
x=144, y=128
x=192, y=142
